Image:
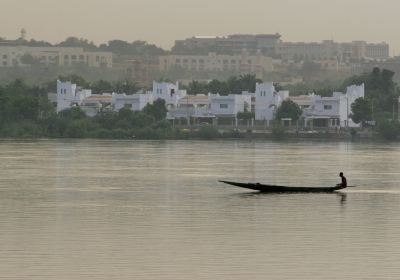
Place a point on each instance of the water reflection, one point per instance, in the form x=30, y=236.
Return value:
x=154, y=210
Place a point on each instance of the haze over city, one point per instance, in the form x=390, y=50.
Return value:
x=161, y=22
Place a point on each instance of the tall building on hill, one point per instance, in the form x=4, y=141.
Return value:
x=242, y=63
x=272, y=45
x=63, y=56
x=267, y=43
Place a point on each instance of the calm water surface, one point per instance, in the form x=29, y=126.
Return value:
x=154, y=210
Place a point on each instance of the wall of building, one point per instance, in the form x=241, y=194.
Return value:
x=243, y=63
x=272, y=45
x=62, y=56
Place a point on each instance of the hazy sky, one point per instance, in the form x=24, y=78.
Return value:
x=163, y=21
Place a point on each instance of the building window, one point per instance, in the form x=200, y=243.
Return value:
x=82, y=57
x=97, y=58
x=66, y=57
x=178, y=60
x=4, y=56
x=73, y=57
x=327, y=107
x=223, y=106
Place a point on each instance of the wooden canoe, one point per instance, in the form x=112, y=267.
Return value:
x=281, y=189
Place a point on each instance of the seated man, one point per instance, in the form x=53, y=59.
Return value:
x=344, y=180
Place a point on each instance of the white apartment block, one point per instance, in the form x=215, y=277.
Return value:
x=63, y=56
x=134, y=102
x=168, y=92
x=196, y=106
x=228, y=106
x=210, y=106
x=69, y=95
x=267, y=101
x=242, y=63
x=333, y=111
x=96, y=103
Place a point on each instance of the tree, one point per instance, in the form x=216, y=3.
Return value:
x=389, y=129
x=141, y=48
x=75, y=79
x=362, y=111
x=102, y=86
x=380, y=89
x=73, y=113
x=29, y=60
x=157, y=110
x=78, y=42
x=196, y=87
x=216, y=86
x=243, y=83
x=246, y=115
x=126, y=86
x=289, y=109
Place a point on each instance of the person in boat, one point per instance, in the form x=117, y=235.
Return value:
x=344, y=180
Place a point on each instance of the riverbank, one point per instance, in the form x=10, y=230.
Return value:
x=211, y=133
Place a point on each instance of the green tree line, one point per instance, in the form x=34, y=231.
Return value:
x=234, y=85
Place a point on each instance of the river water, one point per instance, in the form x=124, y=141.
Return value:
x=154, y=210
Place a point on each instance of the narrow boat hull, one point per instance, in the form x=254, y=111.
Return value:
x=281, y=189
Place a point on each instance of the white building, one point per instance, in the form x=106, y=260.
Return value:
x=192, y=106
x=210, y=106
x=95, y=103
x=134, y=102
x=69, y=95
x=334, y=111
x=168, y=92
x=267, y=101
x=230, y=105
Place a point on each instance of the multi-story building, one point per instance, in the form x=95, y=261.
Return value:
x=168, y=92
x=271, y=45
x=69, y=95
x=267, y=43
x=331, y=111
x=134, y=102
x=243, y=63
x=63, y=56
x=312, y=51
x=329, y=50
x=267, y=101
x=377, y=51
